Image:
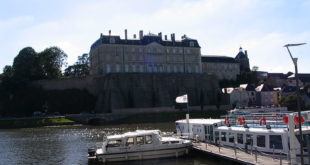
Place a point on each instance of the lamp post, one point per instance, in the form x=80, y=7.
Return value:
x=298, y=99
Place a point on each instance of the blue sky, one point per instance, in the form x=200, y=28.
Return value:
x=221, y=26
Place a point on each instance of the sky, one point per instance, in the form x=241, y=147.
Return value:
x=262, y=27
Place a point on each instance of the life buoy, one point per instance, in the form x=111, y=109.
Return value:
x=302, y=120
x=262, y=121
x=226, y=121
x=241, y=120
x=285, y=119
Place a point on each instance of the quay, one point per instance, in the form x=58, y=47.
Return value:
x=239, y=156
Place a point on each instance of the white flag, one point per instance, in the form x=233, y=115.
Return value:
x=181, y=99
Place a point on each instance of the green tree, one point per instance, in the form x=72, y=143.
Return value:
x=80, y=68
x=26, y=65
x=52, y=60
x=290, y=102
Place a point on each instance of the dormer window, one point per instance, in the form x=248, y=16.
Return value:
x=191, y=44
x=112, y=40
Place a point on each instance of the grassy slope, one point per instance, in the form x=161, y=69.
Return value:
x=34, y=122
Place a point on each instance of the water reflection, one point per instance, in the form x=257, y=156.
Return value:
x=69, y=144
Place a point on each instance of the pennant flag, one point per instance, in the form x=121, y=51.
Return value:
x=181, y=99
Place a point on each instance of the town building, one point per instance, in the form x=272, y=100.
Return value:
x=266, y=96
x=148, y=53
x=238, y=97
x=222, y=66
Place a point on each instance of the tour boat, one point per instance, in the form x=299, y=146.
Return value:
x=262, y=132
x=139, y=145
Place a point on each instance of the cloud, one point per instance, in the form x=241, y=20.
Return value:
x=220, y=26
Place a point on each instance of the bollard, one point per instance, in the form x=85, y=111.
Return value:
x=255, y=154
x=219, y=147
x=273, y=151
x=235, y=150
x=280, y=160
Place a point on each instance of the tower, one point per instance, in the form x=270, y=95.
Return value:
x=242, y=58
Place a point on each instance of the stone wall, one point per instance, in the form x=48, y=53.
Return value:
x=142, y=90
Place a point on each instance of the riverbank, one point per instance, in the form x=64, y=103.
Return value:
x=34, y=122
x=159, y=117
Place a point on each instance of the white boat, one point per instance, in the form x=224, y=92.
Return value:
x=139, y=145
x=268, y=136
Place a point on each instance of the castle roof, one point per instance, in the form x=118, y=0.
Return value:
x=217, y=59
x=241, y=55
x=145, y=40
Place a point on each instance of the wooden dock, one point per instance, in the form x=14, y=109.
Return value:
x=238, y=156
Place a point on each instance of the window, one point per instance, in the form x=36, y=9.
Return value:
x=112, y=40
x=191, y=44
x=189, y=69
x=249, y=139
x=216, y=136
x=114, y=143
x=196, y=69
x=129, y=141
x=261, y=141
x=168, y=68
x=175, y=69
x=133, y=68
x=223, y=136
x=126, y=67
x=175, y=142
x=108, y=68
x=117, y=68
x=141, y=68
x=140, y=140
x=231, y=137
x=148, y=139
x=275, y=141
x=240, y=138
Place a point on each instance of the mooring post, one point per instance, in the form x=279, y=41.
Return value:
x=219, y=146
x=280, y=160
x=255, y=154
x=273, y=151
x=235, y=150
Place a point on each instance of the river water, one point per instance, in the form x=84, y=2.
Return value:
x=68, y=145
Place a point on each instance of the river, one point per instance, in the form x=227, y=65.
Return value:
x=68, y=145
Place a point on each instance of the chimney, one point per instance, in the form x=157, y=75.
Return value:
x=172, y=37
x=101, y=35
x=246, y=53
x=125, y=34
x=109, y=32
x=160, y=35
x=140, y=34
x=134, y=36
x=166, y=37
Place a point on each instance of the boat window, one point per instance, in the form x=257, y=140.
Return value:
x=140, y=140
x=148, y=139
x=216, y=136
x=240, y=138
x=261, y=141
x=114, y=143
x=276, y=141
x=249, y=139
x=174, y=142
x=223, y=136
x=129, y=141
x=231, y=137
x=165, y=142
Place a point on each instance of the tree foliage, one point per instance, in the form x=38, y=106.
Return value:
x=52, y=60
x=290, y=102
x=80, y=68
x=26, y=65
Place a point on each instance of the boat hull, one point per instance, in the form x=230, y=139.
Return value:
x=142, y=155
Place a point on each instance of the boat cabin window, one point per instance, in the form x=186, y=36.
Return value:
x=261, y=140
x=306, y=138
x=148, y=139
x=276, y=141
x=240, y=138
x=114, y=143
x=174, y=142
x=216, y=133
x=249, y=139
x=231, y=137
x=130, y=141
x=223, y=136
x=140, y=140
